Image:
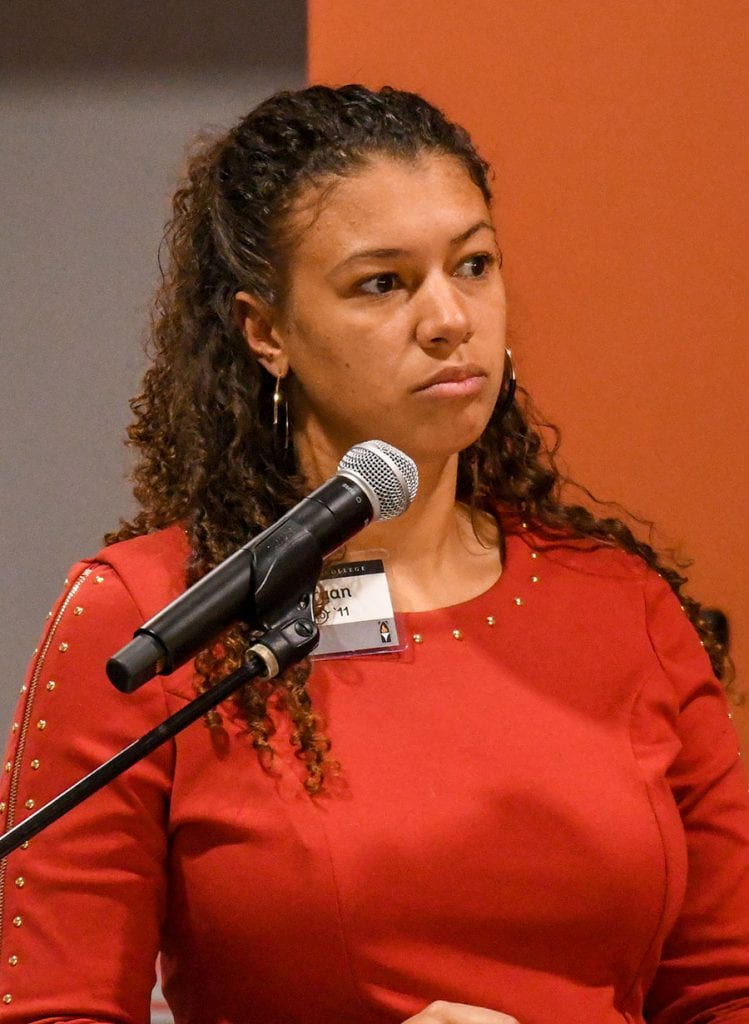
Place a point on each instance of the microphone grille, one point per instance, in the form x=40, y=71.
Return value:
x=389, y=473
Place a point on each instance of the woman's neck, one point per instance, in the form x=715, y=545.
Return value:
x=437, y=553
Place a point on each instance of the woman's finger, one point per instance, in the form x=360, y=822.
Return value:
x=441, y=1012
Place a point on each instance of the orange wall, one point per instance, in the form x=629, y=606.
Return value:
x=618, y=138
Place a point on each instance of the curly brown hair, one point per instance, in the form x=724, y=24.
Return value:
x=207, y=455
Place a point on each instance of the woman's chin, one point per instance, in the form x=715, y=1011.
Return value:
x=425, y=442
x=438, y=446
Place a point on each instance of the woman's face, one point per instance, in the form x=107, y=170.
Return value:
x=394, y=325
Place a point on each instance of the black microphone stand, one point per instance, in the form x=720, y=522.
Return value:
x=291, y=635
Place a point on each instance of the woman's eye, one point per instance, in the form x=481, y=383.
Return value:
x=380, y=284
x=475, y=266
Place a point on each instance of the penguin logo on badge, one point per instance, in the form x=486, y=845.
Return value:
x=385, y=634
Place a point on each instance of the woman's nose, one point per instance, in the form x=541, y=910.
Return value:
x=442, y=315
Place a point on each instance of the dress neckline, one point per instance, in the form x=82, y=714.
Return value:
x=478, y=602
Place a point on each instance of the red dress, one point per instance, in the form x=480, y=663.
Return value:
x=543, y=813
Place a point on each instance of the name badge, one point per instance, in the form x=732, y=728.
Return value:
x=354, y=611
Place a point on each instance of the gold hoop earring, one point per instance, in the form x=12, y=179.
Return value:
x=504, y=406
x=276, y=401
x=279, y=401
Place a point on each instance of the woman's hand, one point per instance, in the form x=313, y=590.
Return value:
x=441, y=1012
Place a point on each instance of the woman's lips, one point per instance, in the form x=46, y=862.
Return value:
x=454, y=388
x=454, y=382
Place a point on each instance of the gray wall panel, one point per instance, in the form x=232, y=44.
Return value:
x=98, y=103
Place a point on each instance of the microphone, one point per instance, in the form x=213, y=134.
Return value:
x=374, y=481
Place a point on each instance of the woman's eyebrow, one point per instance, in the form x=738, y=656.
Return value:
x=384, y=254
x=472, y=231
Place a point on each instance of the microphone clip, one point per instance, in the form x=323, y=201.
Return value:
x=292, y=636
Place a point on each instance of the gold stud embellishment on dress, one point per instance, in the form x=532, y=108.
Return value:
x=20, y=882
x=13, y=960
x=51, y=685
x=17, y=921
x=16, y=727
x=30, y=804
x=457, y=634
x=9, y=766
x=490, y=620
x=518, y=601
x=42, y=724
x=418, y=638
x=63, y=647
x=534, y=554
x=35, y=764
x=535, y=579
x=78, y=611
x=2, y=806
x=25, y=846
x=98, y=579
x=7, y=998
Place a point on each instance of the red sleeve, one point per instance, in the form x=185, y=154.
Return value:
x=81, y=906
x=704, y=970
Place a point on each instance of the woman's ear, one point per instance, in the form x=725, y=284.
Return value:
x=255, y=320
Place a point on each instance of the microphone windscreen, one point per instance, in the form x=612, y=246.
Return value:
x=389, y=475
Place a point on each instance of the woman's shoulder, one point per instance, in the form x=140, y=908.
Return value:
x=599, y=586
x=151, y=567
x=584, y=556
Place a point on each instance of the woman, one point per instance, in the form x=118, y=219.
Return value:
x=535, y=812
